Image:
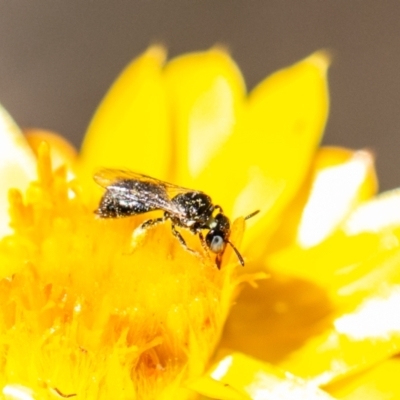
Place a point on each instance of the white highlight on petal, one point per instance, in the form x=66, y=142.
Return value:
x=260, y=193
x=382, y=212
x=222, y=368
x=377, y=317
x=17, y=165
x=332, y=192
x=267, y=387
x=17, y=392
x=210, y=124
x=263, y=381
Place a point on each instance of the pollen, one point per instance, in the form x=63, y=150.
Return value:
x=92, y=310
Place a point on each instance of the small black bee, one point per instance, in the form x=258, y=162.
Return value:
x=129, y=193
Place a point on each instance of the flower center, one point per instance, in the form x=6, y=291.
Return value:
x=90, y=309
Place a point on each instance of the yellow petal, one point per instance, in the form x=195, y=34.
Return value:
x=260, y=381
x=214, y=389
x=369, y=237
x=61, y=151
x=274, y=318
x=356, y=340
x=377, y=383
x=285, y=311
x=339, y=180
x=207, y=93
x=289, y=110
x=131, y=128
x=265, y=161
x=17, y=164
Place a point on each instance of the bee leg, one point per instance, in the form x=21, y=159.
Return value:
x=207, y=250
x=138, y=233
x=150, y=222
x=204, y=244
x=219, y=208
x=181, y=239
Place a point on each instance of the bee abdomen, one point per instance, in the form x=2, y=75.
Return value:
x=112, y=206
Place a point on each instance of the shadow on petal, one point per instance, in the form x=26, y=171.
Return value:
x=277, y=317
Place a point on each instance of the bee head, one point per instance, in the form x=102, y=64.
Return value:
x=218, y=237
x=218, y=234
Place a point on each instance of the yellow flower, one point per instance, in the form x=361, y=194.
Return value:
x=96, y=309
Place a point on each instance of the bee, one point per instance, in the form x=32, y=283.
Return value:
x=129, y=193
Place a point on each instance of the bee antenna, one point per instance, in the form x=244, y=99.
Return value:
x=238, y=255
x=252, y=214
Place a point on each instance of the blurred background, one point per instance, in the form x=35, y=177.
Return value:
x=58, y=57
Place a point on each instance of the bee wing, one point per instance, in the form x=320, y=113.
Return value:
x=153, y=192
x=108, y=177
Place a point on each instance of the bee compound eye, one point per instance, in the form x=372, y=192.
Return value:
x=217, y=244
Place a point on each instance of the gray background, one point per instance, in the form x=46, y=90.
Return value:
x=58, y=57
